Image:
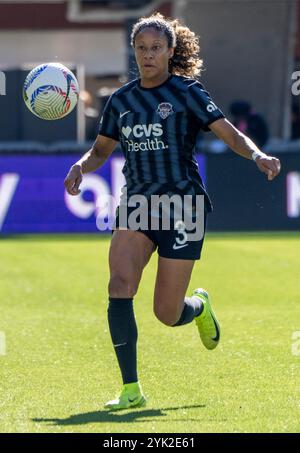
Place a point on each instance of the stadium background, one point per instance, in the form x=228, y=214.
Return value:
x=55, y=358
x=92, y=37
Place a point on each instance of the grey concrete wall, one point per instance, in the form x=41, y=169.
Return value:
x=246, y=51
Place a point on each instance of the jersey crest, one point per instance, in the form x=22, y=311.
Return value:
x=165, y=109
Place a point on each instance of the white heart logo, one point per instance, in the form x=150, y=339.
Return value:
x=126, y=131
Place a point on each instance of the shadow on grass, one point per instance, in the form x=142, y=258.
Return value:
x=115, y=417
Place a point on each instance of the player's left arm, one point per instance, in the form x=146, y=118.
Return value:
x=244, y=146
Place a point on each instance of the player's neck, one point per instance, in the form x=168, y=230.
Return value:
x=154, y=82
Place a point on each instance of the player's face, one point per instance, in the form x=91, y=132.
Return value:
x=152, y=54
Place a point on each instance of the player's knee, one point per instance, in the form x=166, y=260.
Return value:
x=164, y=315
x=121, y=286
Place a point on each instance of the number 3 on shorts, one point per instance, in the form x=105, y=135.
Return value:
x=180, y=227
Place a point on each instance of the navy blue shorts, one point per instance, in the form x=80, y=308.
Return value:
x=176, y=242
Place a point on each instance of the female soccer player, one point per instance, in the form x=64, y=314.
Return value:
x=156, y=119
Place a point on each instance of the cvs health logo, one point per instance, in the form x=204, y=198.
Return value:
x=143, y=130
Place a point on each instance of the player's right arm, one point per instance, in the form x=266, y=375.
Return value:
x=93, y=159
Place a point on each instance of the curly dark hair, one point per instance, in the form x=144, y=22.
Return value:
x=185, y=60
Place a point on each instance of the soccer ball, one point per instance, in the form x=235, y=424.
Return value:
x=51, y=91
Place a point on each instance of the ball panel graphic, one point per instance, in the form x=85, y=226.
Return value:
x=51, y=91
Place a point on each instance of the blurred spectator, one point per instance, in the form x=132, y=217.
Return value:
x=251, y=124
x=91, y=116
x=295, y=126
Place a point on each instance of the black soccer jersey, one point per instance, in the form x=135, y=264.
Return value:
x=157, y=129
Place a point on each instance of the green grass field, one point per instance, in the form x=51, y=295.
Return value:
x=59, y=367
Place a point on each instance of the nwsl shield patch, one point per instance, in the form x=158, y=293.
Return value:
x=164, y=109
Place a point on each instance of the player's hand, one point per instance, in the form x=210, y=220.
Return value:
x=73, y=180
x=269, y=165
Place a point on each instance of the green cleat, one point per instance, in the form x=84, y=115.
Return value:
x=131, y=397
x=208, y=326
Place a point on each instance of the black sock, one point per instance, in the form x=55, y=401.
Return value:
x=123, y=331
x=192, y=307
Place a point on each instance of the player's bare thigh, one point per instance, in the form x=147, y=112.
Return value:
x=129, y=253
x=172, y=280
